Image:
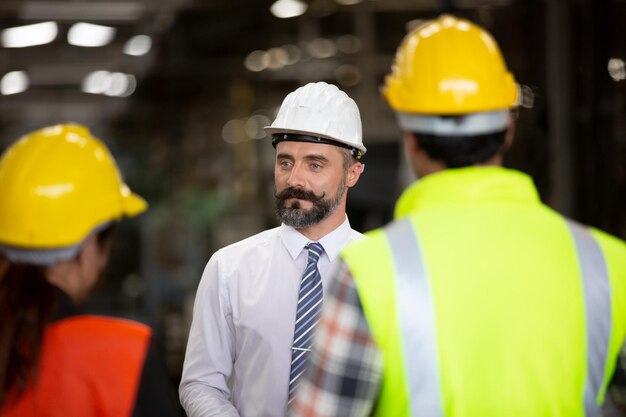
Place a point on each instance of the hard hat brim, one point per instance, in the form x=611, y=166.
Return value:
x=269, y=130
x=133, y=204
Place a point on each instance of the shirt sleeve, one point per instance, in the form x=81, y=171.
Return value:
x=345, y=366
x=208, y=365
x=156, y=396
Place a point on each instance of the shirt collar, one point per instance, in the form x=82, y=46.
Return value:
x=333, y=242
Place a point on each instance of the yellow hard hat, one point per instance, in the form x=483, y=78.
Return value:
x=57, y=185
x=449, y=66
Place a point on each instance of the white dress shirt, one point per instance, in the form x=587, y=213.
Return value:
x=239, y=349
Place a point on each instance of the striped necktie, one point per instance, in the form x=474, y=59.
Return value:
x=307, y=315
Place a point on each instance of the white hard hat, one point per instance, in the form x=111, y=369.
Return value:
x=319, y=112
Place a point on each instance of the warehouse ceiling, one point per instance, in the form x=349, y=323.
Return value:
x=198, y=50
x=184, y=87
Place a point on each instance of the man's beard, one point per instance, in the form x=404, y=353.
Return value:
x=297, y=217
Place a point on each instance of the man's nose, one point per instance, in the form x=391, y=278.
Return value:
x=296, y=176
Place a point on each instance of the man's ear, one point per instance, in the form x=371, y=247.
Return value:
x=509, y=135
x=354, y=173
x=411, y=144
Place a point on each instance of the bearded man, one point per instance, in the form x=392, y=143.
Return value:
x=259, y=299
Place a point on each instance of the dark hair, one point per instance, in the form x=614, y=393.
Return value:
x=348, y=159
x=461, y=151
x=28, y=303
x=105, y=235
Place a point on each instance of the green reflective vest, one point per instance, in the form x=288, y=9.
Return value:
x=485, y=302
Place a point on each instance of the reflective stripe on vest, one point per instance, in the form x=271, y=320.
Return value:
x=419, y=333
x=417, y=320
x=597, y=291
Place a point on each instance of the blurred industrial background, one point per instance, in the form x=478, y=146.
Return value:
x=180, y=90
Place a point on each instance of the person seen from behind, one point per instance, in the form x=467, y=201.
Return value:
x=478, y=300
x=62, y=195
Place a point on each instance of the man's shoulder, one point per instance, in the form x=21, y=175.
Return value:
x=364, y=241
x=260, y=240
x=355, y=236
x=610, y=242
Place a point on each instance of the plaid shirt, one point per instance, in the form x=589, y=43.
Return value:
x=345, y=366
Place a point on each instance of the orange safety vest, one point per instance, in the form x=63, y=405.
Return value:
x=90, y=366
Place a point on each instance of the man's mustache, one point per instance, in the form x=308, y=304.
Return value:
x=299, y=193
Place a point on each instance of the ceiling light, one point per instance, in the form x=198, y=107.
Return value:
x=13, y=82
x=293, y=54
x=90, y=35
x=349, y=44
x=114, y=84
x=122, y=85
x=234, y=131
x=348, y=75
x=278, y=58
x=257, y=61
x=255, y=124
x=29, y=35
x=138, y=45
x=617, y=69
x=322, y=48
x=285, y=9
x=96, y=82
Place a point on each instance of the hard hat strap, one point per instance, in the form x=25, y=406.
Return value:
x=46, y=256
x=294, y=137
x=39, y=257
x=471, y=124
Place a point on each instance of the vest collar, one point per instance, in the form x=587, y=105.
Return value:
x=470, y=185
